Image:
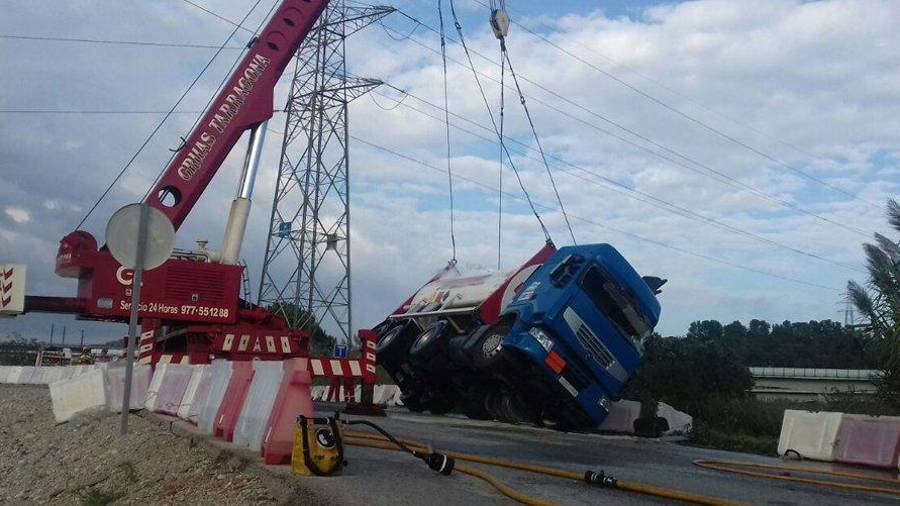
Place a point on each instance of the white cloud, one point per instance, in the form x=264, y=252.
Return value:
x=18, y=215
x=817, y=85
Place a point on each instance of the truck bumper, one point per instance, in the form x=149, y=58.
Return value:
x=556, y=372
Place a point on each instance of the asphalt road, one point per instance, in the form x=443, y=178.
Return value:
x=376, y=477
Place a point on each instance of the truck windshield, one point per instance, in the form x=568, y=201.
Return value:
x=614, y=302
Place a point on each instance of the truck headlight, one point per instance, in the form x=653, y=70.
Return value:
x=542, y=338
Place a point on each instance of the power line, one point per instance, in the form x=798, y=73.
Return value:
x=603, y=225
x=163, y=120
x=115, y=42
x=90, y=111
x=623, y=189
x=692, y=164
x=691, y=118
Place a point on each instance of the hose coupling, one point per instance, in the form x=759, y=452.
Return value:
x=601, y=479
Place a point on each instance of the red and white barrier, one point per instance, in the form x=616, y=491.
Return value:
x=115, y=386
x=235, y=394
x=195, y=393
x=810, y=435
x=869, y=440
x=294, y=398
x=220, y=374
x=167, y=388
x=254, y=414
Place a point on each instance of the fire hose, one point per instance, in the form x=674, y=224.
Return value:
x=783, y=472
x=388, y=442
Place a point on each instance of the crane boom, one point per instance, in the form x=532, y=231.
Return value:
x=190, y=305
x=245, y=101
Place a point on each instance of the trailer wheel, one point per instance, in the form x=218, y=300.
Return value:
x=428, y=342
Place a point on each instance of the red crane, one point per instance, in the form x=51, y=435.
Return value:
x=191, y=305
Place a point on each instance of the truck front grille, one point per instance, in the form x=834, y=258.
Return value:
x=594, y=347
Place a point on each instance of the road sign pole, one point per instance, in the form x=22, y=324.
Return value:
x=135, y=306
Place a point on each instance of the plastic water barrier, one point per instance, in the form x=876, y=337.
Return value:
x=167, y=388
x=254, y=414
x=868, y=440
x=115, y=386
x=810, y=435
x=238, y=386
x=195, y=393
x=219, y=377
x=621, y=417
x=83, y=392
x=294, y=398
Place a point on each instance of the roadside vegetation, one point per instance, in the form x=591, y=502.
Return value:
x=705, y=373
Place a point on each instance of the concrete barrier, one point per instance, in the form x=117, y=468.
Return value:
x=4, y=373
x=235, y=394
x=15, y=374
x=254, y=415
x=195, y=393
x=811, y=435
x=869, y=440
x=679, y=422
x=115, y=386
x=167, y=388
x=220, y=375
x=72, y=396
x=29, y=375
x=621, y=417
x=293, y=399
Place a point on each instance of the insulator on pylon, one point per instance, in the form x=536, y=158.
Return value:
x=500, y=23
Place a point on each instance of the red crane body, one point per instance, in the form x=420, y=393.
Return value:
x=191, y=305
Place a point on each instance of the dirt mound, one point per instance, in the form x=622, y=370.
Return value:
x=86, y=462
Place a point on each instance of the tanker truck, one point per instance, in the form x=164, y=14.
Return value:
x=551, y=342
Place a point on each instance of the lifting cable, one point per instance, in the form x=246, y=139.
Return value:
x=447, y=124
x=487, y=105
x=166, y=117
x=494, y=7
x=500, y=27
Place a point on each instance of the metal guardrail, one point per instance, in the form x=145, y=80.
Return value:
x=814, y=374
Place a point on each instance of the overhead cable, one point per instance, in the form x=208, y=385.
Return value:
x=627, y=191
x=165, y=118
x=656, y=242
x=693, y=119
x=682, y=160
x=494, y=122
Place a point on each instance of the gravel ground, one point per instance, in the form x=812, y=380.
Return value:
x=86, y=462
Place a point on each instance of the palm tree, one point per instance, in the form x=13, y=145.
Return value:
x=879, y=302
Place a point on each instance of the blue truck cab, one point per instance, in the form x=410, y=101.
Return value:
x=576, y=331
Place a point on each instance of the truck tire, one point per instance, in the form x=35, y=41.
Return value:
x=392, y=343
x=487, y=351
x=428, y=342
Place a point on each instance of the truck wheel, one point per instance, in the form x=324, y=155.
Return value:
x=474, y=409
x=412, y=403
x=391, y=342
x=489, y=348
x=440, y=405
x=428, y=342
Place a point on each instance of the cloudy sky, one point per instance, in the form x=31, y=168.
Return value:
x=741, y=149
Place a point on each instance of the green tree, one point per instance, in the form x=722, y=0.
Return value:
x=707, y=330
x=320, y=342
x=879, y=301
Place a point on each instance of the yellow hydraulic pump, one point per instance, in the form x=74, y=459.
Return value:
x=318, y=447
